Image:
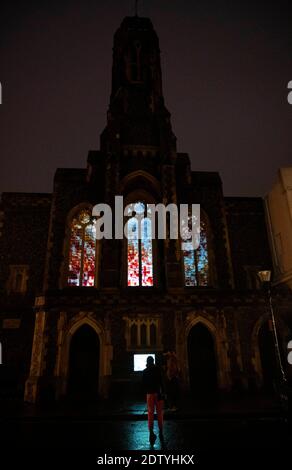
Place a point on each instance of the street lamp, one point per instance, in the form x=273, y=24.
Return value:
x=265, y=278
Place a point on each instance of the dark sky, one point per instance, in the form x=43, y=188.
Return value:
x=226, y=65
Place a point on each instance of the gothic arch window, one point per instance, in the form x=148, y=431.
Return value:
x=139, y=249
x=143, y=333
x=153, y=334
x=196, y=262
x=133, y=334
x=82, y=250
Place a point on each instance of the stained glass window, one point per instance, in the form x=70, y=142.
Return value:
x=82, y=253
x=146, y=254
x=196, y=266
x=133, y=253
x=140, y=253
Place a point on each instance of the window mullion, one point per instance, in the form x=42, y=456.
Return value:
x=148, y=325
x=196, y=267
x=139, y=334
x=96, y=260
x=140, y=260
x=82, y=257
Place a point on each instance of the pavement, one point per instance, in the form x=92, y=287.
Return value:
x=219, y=431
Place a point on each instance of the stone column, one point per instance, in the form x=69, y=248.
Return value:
x=36, y=367
x=107, y=354
x=60, y=379
x=181, y=340
x=173, y=270
x=223, y=353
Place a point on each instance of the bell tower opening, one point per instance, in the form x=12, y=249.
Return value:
x=137, y=113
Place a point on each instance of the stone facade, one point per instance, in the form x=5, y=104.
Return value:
x=279, y=215
x=23, y=241
x=138, y=160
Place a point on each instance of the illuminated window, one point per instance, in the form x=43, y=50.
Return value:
x=82, y=252
x=139, y=249
x=196, y=263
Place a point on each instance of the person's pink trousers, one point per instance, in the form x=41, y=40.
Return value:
x=152, y=403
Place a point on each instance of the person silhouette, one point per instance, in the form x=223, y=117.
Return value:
x=153, y=386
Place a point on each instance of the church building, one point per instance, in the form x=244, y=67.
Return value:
x=76, y=313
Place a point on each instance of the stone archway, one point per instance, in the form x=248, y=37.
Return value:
x=218, y=335
x=83, y=372
x=202, y=361
x=264, y=358
x=66, y=335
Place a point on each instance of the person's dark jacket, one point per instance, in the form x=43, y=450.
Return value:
x=152, y=379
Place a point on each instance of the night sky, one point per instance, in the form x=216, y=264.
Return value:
x=225, y=64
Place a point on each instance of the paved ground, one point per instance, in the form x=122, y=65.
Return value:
x=225, y=432
x=133, y=435
x=215, y=441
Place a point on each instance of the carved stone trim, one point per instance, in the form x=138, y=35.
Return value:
x=36, y=367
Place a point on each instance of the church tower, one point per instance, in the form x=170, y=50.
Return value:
x=138, y=146
x=137, y=115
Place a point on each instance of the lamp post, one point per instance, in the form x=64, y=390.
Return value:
x=265, y=278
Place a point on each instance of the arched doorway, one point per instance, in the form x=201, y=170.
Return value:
x=202, y=361
x=84, y=364
x=267, y=356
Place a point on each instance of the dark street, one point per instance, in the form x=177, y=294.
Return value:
x=206, y=439
x=133, y=435
x=221, y=431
